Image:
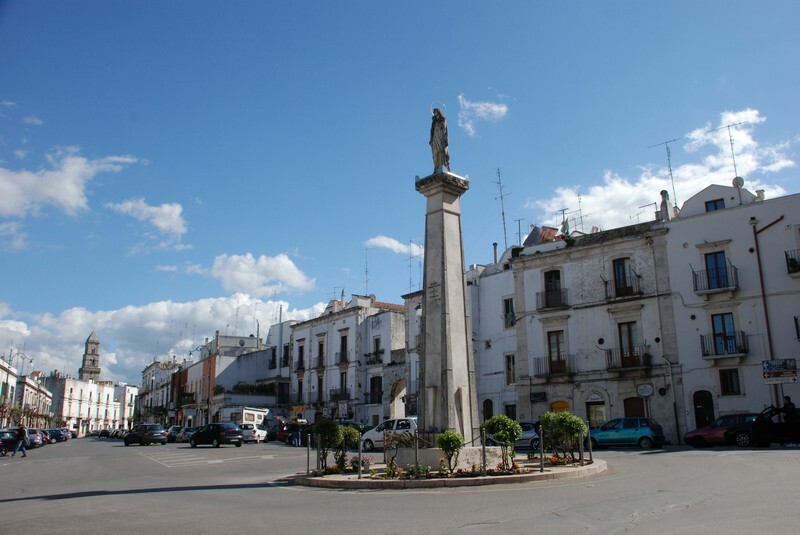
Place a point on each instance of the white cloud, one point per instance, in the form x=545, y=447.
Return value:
x=12, y=237
x=470, y=112
x=621, y=201
x=262, y=276
x=384, y=242
x=32, y=120
x=168, y=269
x=131, y=336
x=167, y=218
x=63, y=185
x=19, y=153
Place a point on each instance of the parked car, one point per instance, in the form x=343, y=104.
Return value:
x=185, y=434
x=56, y=435
x=45, y=436
x=286, y=433
x=217, y=434
x=253, y=433
x=772, y=425
x=34, y=438
x=373, y=438
x=628, y=431
x=145, y=434
x=104, y=433
x=172, y=433
x=272, y=431
x=728, y=429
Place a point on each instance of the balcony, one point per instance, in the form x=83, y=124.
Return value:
x=633, y=357
x=620, y=289
x=342, y=357
x=373, y=359
x=552, y=299
x=714, y=281
x=724, y=345
x=339, y=394
x=319, y=362
x=793, y=263
x=547, y=367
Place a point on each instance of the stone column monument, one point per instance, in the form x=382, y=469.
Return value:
x=447, y=395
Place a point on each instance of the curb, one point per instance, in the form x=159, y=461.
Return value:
x=353, y=483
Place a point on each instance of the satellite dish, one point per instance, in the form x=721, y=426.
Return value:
x=738, y=182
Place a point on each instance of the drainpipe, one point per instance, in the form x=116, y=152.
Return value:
x=753, y=223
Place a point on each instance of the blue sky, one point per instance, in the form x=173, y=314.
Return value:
x=168, y=169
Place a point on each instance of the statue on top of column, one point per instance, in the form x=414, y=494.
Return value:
x=439, y=143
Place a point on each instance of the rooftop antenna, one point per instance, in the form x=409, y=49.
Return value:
x=519, y=231
x=366, y=270
x=669, y=166
x=502, y=207
x=730, y=139
x=411, y=258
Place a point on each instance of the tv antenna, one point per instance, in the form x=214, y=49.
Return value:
x=669, y=166
x=730, y=139
x=502, y=207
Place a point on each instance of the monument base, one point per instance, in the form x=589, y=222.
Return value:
x=468, y=458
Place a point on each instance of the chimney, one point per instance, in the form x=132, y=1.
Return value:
x=664, y=205
x=495, y=251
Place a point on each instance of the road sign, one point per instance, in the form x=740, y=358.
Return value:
x=779, y=371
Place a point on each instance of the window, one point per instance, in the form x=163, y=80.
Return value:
x=375, y=389
x=717, y=271
x=627, y=339
x=552, y=289
x=716, y=204
x=301, y=352
x=729, y=382
x=724, y=335
x=555, y=350
x=376, y=345
x=508, y=312
x=286, y=353
x=511, y=411
x=510, y=370
x=343, y=381
x=343, y=348
x=623, y=284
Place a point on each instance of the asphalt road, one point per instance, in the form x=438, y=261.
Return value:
x=98, y=485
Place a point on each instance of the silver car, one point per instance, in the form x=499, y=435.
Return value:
x=185, y=434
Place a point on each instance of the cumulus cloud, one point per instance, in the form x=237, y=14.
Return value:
x=620, y=200
x=167, y=218
x=384, y=242
x=62, y=185
x=12, y=236
x=470, y=112
x=132, y=336
x=262, y=276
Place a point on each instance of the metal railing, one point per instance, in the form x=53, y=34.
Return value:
x=716, y=279
x=546, y=366
x=552, y=299
x=632, y=357
x=724, y=344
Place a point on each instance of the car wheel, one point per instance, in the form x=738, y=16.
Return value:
x=192, y=443
x=238, y=444
x=742, y=439
x=535, y=444
x=368, y=445
x=163, y=443
x=215, y=443
x=127, y=443
x=645, y=443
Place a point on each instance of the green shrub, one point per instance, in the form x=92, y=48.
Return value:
x=564, y=430
x=504, y=431
x=451, y=444
x=330, y=435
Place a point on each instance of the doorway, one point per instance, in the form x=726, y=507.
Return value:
x=634, y=407
x=703, y=408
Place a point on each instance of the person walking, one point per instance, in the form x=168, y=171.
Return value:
x=22, y=441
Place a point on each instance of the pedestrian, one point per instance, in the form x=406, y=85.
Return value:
x=22, y=441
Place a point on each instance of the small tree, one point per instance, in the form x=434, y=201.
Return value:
x=350, y=435
x=330, y=435
x=451, y=444
x=564, y=430
x=392, y=442
x=505, y=432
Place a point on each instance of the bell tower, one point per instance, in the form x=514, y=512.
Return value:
x=90, y=371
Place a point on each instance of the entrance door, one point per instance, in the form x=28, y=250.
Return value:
x=488, y=409
x=596, y=412
x=703, y=408
x=634, y=407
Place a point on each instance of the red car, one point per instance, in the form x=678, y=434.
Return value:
x=725, y=430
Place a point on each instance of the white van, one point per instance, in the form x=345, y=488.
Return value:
x=373, y=438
